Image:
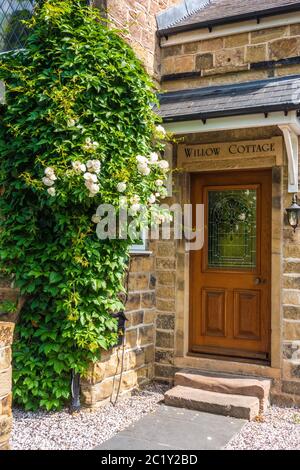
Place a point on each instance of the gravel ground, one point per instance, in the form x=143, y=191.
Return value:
x=61, y=431
x=279, y=429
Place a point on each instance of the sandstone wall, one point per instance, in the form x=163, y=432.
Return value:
x=103, y=379
x=231, y=59
x=138, y=18
x=6, y=338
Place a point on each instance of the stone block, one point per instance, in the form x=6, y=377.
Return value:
x=164, y=371
x=291, y=313
x=167, y=264
x=5, y=358
x=5, y=382
x=291, y=266
x=133, y=302
x=204, y=61
x=237, y=40
x=266, y=35
x=165, y=305
x=291, y=387
x=291, y=350
x=164, y=356
x=295, y=29
x=141, y=264
x=166, y=250
x=5, y=425
x=6, y=405
x=284, y=48
x=131, y=338
x=165, y=339
x=149, y=316
x=171, y=51
x=291, y=297
x=6, y=333
x=148, y=300
x=166, y=292
x=184, y=64
x=211, y=45
x=138, y=282
x=149, y=354
x=134, y=318
x=256, y=53
x=166, y=278
x=165, y=322
x=191, y=47
x=146, y=335
x=291, y=330
x=230, y=57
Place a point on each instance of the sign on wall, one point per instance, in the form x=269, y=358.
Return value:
x=268, y=150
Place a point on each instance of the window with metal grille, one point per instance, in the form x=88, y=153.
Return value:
x=13, y=31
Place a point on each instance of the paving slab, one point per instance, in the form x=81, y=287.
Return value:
x=171, y=428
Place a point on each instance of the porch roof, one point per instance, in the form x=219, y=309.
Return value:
x=262, y=96
x=194, y=14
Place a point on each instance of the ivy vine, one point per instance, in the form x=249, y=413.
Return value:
x=78, y=103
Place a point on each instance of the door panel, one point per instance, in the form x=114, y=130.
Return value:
x=230, y=278
x=247, y=315
x=214, y=312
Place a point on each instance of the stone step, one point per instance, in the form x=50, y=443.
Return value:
x=236, y=406
x=227, y=384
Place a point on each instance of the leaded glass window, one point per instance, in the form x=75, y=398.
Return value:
x=232, y=228
x=13, y=32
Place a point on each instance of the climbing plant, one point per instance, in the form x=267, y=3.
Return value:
x=77, y=130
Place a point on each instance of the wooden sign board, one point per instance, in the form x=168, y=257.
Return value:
x=195, y=155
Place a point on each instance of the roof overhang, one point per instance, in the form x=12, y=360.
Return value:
x=288, y=122
x=234, y=18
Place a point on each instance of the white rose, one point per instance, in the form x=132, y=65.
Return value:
x=161, y=130
x=96, y=219
x=134, y=209
x=49, y=172
x=94, y=166
x=135, y=199
x=121, y=187
x=144, y=169
x=94, y=189
x=141, y=159
x=152, y=199
x=159, y=182
x=90, y=177
x=79, y=167
x=47, y=181
x=157, y=194
x=51, y=191
x=163, y=164
x=153, y=157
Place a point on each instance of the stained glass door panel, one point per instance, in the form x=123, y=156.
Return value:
x=232, y=228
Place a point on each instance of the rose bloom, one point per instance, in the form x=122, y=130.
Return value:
x=134, y=209
x=144, y=169
x=121, y=187
x=47, y=181
x=79, y=167
x=141, y=159
x=152, y=199
x=153, y=157
x=49, y=172
x=51, y=191
x=90, y=177
x=159, y=182
x=96, y=219
x=163, y=164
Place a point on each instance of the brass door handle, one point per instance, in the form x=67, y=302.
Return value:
x=259, y=281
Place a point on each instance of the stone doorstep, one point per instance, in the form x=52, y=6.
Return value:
x=227, y=384
x=236, y=406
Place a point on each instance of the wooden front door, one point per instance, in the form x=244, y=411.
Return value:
x=230, y=278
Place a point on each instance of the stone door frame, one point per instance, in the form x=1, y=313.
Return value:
x=182, y=357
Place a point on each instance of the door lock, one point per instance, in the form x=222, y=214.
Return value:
x=259, y=281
